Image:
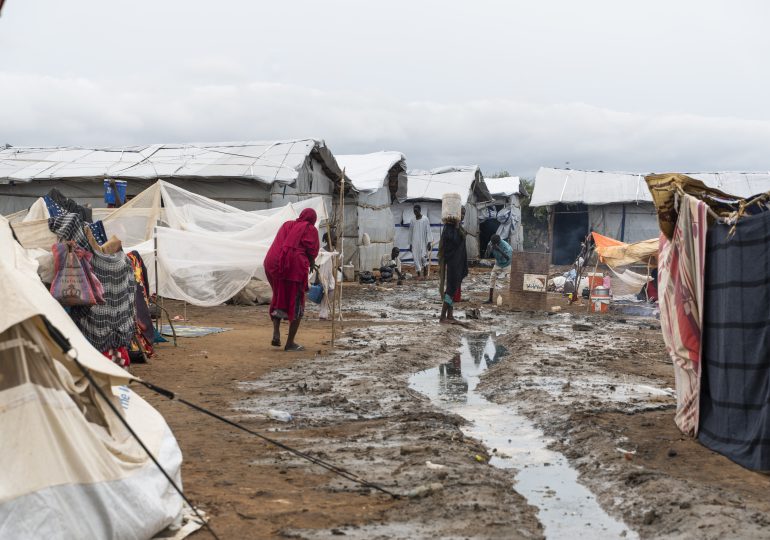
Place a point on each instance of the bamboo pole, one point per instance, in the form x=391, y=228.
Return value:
x=596, y=267
x=334, y=270
x=341, y=235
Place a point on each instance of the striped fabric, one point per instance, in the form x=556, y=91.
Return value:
x=681, y=272
x=735, y=393
x=110, y=325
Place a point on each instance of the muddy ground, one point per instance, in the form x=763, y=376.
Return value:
x=597, y=386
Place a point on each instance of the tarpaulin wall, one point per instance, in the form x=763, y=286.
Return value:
x=627, y=222
x=735, y=381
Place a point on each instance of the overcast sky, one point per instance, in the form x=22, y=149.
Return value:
x=613, y=85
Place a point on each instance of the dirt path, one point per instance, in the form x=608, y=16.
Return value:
x=353, y=408
x=597, y=386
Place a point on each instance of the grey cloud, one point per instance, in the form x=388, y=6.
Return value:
x=495, y=133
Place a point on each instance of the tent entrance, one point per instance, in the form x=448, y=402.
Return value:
x=570, y=227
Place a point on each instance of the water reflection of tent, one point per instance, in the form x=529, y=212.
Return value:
x=70, y=468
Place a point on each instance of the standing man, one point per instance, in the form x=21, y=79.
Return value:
x=502, y=252
x=420, y=242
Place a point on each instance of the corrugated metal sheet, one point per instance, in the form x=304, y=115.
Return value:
x=266, y=162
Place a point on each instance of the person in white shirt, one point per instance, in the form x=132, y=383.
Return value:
x=420, y=242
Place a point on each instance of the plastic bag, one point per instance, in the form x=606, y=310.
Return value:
x=71, y=284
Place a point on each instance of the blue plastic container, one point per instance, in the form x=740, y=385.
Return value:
x=315, y=293
x=109, y=196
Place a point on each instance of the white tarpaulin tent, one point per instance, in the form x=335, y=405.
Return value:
x=617, y=204
x=379, y=179
x=70, y=468
x=427, y=188
x=251, y=175
x=207, y=250
x=505, y=210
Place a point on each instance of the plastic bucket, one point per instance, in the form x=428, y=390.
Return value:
x=451, y=207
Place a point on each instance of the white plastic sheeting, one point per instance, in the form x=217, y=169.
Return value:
x=503, y=187
x=207, y=250
x=261, y=161
x=431, y=185
x=71, y=470
x=553, y=186
x=368, y=210
x=369, y=172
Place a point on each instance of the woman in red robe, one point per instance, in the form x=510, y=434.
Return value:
x=287, y=265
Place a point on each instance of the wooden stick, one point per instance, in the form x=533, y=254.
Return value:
x=596, y=267
x=340, y=236
x=334, y=270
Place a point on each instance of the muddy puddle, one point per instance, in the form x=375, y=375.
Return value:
x=567, y=509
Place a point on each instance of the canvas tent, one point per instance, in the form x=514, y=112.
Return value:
x=427, y=188
x=503, y=215
x=207, y=250
x=251, y=175
x=379, y=180
x=70, y=468
x=615, y=204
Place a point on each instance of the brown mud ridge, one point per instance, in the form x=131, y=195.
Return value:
x=353, y=406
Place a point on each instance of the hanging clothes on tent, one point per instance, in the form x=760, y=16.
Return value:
x=110, y=325
x=681, y=272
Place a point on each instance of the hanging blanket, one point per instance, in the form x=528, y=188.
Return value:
x=735, y=394
x=112, y=324
x=680, y=269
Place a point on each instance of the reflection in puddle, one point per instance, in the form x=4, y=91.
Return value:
x=567, y=509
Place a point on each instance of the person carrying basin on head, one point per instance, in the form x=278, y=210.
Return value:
x=287, y=265
x=502, y=252
x=453, y=266
x=420, y=242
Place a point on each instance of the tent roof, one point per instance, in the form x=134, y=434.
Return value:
x=265, y=162
x=369, y=172
x=505, y=186
x=553, y=186
x=431, y=185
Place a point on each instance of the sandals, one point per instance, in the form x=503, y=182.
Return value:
x=276, y=342
x=294, y=347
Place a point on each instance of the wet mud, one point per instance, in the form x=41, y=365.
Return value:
x=516, y=425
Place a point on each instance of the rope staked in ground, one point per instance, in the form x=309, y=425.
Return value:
x=317, y=461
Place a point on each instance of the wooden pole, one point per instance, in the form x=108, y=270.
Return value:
x=596, y=267
x=334, y=270
x=341, y=234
